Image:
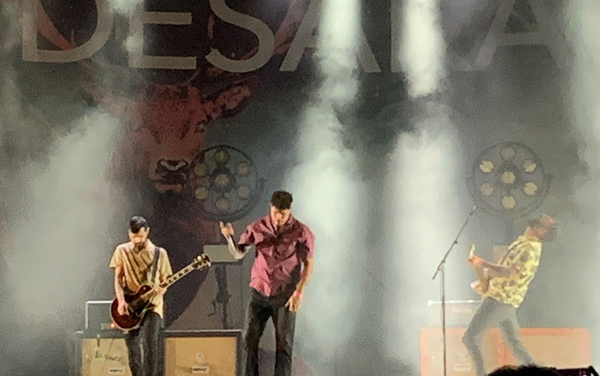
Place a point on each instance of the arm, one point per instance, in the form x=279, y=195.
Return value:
x=238, y=251
x=116, y=263
x=118, y=288
x=306, y=251
x=307, y=269
x=496, y=270
x=515, y=263
x=122, y=304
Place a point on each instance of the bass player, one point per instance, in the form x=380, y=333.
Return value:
x=136, y=263
x=504, y=290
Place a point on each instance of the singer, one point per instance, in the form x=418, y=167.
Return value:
x=505, y=290
x=283, y=265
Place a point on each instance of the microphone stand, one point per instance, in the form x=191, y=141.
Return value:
x=441, y=271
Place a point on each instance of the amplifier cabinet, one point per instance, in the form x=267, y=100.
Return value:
x=199, y=352
x=458, y=312
x=458, y=359
x=189, y=352
x=555, y=347
x=551, y=347
x=97, y=315
x=102, y=354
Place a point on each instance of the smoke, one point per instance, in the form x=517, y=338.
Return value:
x=583, y=31
x=421, y=186
x=125, y=6
x=337, y=50
x=56, y=207
x=327, y=195
x=422, y=48
x=56, y=202
x=10, y=31
x=56, y=241
x=328, y=191
x=60, y=234
x=422, y=200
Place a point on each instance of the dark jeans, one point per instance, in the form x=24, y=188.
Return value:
x=260, y=309
x=143, y=346
x=490, y=314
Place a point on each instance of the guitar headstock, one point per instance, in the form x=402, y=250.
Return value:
x=472, y=250
x=201, y=261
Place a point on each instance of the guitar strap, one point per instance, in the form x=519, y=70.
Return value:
x=154, y=271
x=154, y=264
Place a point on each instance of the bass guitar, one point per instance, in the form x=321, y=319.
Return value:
x=139, y=303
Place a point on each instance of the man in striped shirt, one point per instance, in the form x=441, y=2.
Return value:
x=132, y=262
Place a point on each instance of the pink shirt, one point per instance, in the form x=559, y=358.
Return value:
x=279, y=254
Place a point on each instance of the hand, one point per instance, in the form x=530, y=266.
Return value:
x=122, y=308
x=476, y=261
x=293, y=302
x=476, y=286
x=160, y=291
x=226, y=230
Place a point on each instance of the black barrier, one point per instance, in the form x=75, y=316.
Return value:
x=590, y=371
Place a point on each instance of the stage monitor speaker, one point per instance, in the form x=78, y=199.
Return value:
x=199, y=352
x=104, y=357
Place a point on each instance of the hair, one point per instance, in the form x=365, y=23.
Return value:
x=281, y=200
x=137, y=223
x=525, y=371
x=547, y=223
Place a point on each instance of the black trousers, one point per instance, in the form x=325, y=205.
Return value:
x=260, y=309
x=490, y=314
x=144, y=347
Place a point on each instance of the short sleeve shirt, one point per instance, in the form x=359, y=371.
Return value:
x=524, y=257
x=137, y=268
x=280, y=254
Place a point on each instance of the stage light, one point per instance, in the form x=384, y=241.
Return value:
x=509, y=180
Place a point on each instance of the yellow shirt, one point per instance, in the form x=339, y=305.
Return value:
x=137, y=268
x=524, y=256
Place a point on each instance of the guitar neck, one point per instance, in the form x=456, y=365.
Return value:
x=172, y=279
x=478, y=270
x=177, y=276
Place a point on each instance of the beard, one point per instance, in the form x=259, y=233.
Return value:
x=138, y=247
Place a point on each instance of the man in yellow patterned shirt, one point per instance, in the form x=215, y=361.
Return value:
x=508, y=284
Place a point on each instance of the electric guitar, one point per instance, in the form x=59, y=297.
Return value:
x=139, y=303
x=482, y=284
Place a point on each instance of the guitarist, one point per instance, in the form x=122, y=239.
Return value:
x=136, y=263
x=505, y=290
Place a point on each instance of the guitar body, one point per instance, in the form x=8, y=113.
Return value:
x=137, y=308
x=139, y=303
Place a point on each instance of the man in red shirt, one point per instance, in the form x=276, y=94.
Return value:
x=283, y=265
